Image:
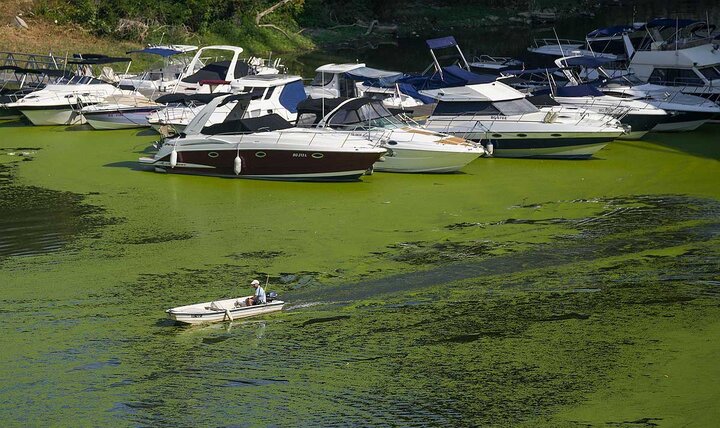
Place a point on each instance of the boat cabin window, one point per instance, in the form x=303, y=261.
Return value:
x=454, y=108
x=269, y=92
x=322, y=79
x=514, y=107
x=255, y=92
x=618, y=94
x=710, y=73
x=675, y=77
x=307, y=120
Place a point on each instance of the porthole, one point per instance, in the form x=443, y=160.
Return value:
x=260, y=154
x=318, y=155
x=496, y=135
x=522, y=135
x=556, y=135
x=392, y=143
x=213, y=154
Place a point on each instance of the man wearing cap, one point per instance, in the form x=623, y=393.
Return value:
x=259, y=297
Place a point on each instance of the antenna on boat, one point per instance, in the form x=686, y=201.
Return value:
x=558, y=40
x=707, y=23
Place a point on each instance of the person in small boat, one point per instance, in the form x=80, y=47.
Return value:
x=259, y=297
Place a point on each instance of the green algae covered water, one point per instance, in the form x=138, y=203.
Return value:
x=515, y=293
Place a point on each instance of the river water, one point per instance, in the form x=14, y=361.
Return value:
x=515, y=293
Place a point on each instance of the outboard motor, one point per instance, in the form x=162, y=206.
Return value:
x=271, y=296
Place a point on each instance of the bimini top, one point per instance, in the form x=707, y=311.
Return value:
x=95, y=59
x=441, y=42
x=338, y=68
x=615, y=30
x=50, y=72
x=374, y=77
x=165, y=50
x=670, y=22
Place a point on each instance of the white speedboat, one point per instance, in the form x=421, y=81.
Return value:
x=409, y=148
x=272, y=93
x=685, y=112
x=501, y=116
x=640, y=115
x=60, y=104
x=222, y=310
x=266, y=147
x=120, y=112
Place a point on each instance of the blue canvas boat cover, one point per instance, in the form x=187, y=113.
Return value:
x=411, y=91
x=442, y=42
x=611, y=31
x=670, y=22
x=578, y=91
x=586, y=61
x=451, y=76
x=164, y=52
x=531, y=71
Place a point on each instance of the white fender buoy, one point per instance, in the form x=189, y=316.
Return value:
x=228, y=315
x=173, y=158
x=489, y=148
x=238, y=165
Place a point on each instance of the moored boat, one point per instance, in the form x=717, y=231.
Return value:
x=266, y=147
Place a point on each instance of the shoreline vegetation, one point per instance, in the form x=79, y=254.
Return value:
x=65, y=27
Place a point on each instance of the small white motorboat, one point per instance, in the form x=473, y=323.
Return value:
x=223, y=310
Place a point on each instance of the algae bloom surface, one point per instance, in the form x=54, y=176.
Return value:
x=519, y=292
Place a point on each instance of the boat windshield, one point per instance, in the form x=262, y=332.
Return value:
x=515, y=107
x=371, y=114
x=322, y=79
x=710, y=73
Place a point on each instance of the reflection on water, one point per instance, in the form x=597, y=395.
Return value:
x=411, y=55
x=35, y=220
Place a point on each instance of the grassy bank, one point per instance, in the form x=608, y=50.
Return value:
x=44, y=35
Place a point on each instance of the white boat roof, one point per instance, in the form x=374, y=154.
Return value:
x=267, y=80
x=338, y=68
x=495, y=91
x=221, y=48
x=698, y=56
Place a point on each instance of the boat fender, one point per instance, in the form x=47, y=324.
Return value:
x=228, y=315
x=237, y=165
x=370, y=170
x=173, y=158
x=489, y=148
